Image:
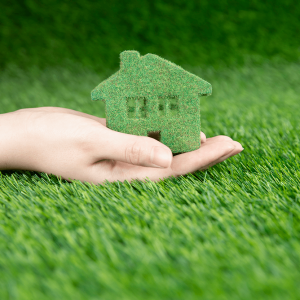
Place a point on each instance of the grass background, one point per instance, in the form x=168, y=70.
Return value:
x=219, y=32
x=231, y=232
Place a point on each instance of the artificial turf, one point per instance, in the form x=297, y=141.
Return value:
x=231, y=232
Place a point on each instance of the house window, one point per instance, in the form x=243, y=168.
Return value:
x=161, y=106
x=136, y=107
x=142, y=107
x=131, y=107
x=168, y=104
x=173, y=105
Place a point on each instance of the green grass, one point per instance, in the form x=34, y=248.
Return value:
x=49, y=32
x=231, y=232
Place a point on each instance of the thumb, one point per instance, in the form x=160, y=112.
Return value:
x=137, y=150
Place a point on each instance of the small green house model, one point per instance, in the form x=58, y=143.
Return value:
x=150, y=96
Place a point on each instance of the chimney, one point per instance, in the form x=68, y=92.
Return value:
x=129, y=58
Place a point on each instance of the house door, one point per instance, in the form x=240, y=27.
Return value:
x=154, y=134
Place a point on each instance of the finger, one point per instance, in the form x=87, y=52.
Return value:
x=182, y=164
x=218, y=138
x=238, y=148
x=102, y=121
x=117, y=170
x=202, y=137
x=132, y=149
x=192, y=161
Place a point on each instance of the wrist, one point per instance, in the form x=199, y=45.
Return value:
x=13, y=143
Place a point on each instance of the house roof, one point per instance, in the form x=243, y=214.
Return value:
x=149, y=74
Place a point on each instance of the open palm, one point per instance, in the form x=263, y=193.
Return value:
x=79, y=146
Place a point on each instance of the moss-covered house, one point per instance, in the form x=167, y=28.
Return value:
x=150, y=96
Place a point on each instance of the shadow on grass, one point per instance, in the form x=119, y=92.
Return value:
x=31, y=175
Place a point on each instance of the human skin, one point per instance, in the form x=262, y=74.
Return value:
x=78, y=146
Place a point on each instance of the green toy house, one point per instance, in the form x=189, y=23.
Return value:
x=150, y=96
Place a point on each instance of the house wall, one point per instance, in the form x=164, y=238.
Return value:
x=180, y=130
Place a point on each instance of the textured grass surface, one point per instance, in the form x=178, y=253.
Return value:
x=232, y=232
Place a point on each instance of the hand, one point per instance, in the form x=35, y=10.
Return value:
x=79, y=146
